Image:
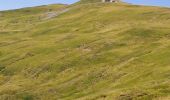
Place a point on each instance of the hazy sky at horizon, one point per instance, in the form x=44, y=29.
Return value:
x=15, y=4
x=164, y=3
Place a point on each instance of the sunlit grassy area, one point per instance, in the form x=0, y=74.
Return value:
x=98, y=51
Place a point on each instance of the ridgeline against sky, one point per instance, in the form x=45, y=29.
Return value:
x=15, y=4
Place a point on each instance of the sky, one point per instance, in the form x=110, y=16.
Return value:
x=15, y=4
x=164, y=3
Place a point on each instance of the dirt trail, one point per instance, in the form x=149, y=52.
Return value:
x=53, y=14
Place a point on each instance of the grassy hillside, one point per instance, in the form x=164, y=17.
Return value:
x=96, y=51
x=89, y=1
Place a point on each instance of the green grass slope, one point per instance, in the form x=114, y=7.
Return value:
x=89, y=1
x=99, y=51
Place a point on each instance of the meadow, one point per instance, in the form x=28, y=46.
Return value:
x=85, y=51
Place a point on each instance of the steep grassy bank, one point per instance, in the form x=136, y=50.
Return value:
x=88, y=52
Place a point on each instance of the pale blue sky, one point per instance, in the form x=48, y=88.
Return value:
x=15, y=4
x=165, y=3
